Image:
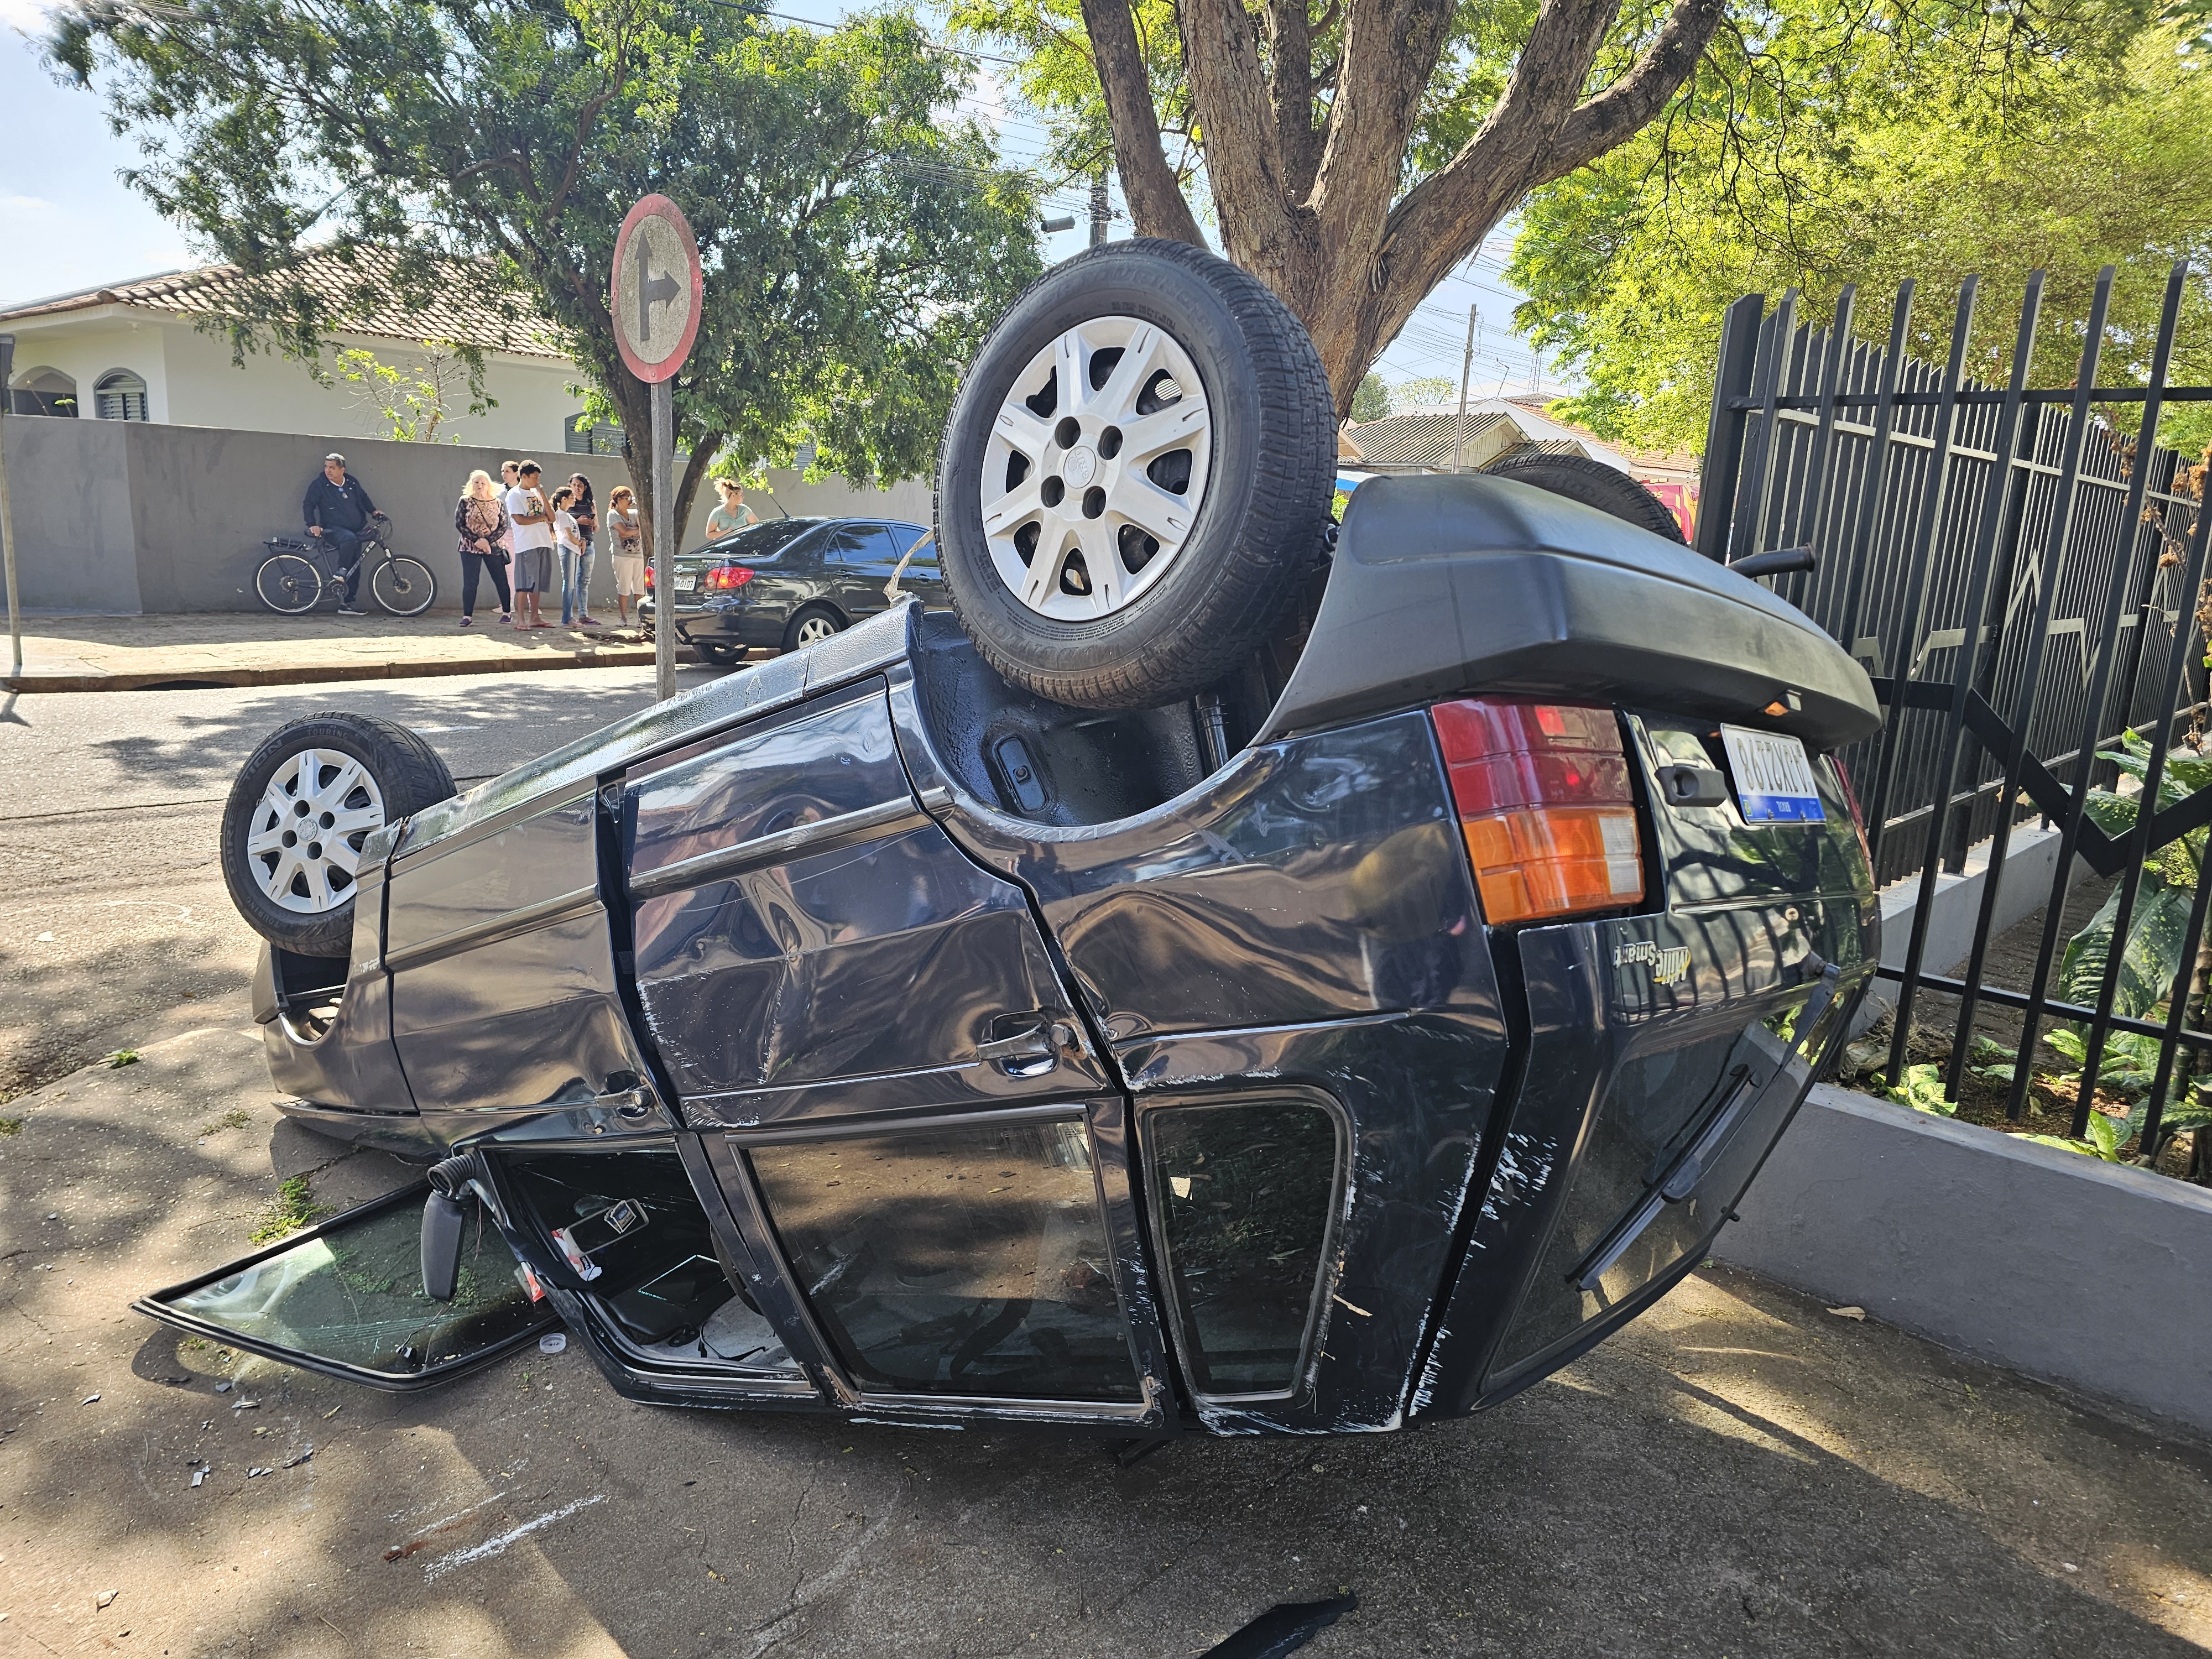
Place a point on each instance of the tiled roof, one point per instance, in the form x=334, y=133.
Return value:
x=461, y=313
x=1417, y=438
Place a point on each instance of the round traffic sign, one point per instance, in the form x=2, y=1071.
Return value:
x=657, y=289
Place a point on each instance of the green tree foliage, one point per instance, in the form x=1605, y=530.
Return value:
x=414, y=399
x=1423, y=391
x=1923, y=154
x=1373, y=401
x=857, y=240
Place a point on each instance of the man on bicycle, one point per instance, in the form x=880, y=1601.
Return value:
x=338, y=510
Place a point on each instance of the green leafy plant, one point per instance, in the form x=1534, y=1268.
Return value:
x=413, y=400
x=1923, y=1090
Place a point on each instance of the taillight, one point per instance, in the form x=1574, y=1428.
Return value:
x=1546, y=803
x=728, y=576
x=649, y=575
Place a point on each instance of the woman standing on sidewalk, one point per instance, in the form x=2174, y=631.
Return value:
x=629, y=555
x=480, y=521
x=576, y=575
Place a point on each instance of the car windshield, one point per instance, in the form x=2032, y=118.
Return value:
x=756, y=541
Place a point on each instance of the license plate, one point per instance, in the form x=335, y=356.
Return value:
x=687, y=582
x=1774, y=781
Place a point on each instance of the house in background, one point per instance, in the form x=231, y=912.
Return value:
x=1439, y=438
x=138, y=351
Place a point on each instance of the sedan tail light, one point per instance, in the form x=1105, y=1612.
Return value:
x=727, y=577
x=1547, y=805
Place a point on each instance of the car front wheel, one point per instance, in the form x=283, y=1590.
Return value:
x=301, y=809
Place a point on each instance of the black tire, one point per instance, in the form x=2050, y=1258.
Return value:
x=1592, y=483
x=407, y=775
x=1259, y=520
x=810, y=620
x=287, y=584
x=722, y=656
x=404, y=586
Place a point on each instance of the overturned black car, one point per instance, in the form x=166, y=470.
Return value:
x=1217, y=980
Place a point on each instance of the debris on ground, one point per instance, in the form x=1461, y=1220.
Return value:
x=1849, y=1313
x=90, y=1398
x=295, y=1462
x=199, y=1475
x=106, y=1597
x=123, y=1057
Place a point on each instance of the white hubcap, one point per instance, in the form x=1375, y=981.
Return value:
x=306, y=836
x=815, y=629
x=1096, y=469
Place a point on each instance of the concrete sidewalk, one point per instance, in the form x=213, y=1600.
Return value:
x=134, y=653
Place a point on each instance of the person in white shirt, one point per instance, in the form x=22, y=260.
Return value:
x=528, y=511
x=575, y=553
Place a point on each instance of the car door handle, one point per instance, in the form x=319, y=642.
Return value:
x=1043, y=1040
x=632, y=1104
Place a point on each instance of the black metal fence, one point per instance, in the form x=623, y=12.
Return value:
x=2020, y=574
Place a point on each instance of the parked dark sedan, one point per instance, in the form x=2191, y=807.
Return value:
x=1369, y=973
x=789, y=582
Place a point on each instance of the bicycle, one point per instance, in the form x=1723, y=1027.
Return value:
x=300, y=572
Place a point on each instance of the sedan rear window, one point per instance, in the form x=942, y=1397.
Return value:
x=758, y=541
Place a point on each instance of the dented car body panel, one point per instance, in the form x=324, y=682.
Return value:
x=858, y=1034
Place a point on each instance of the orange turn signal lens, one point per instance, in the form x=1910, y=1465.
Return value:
x=1546, y=803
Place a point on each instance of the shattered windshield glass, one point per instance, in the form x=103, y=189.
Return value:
x=350, y=1293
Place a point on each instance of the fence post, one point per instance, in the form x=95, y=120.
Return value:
x=1716, y=476
x=2093, y=721
x=1996, y=511
x=1885, y=416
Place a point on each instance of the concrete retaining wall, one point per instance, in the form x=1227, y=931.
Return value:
x=127, y=518
x=2045, y=1262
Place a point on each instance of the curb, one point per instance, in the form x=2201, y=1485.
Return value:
x=628, y=656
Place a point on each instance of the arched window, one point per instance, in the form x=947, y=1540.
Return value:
x=44, y=392
x=119, y=395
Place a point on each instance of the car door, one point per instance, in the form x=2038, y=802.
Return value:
x=904, y=1110
x=504, y=994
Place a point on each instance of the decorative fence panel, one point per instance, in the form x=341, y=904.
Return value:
x=2020, y=578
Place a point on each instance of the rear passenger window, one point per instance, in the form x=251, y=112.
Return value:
x=854, y=545
x=1243, y=1193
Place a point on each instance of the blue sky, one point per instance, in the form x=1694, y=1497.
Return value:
x=68, y=221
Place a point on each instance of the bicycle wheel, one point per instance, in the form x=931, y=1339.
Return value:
x=404, y=586
x=287, y=584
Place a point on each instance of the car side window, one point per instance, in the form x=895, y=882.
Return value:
x=852, y=545
x=923, y=564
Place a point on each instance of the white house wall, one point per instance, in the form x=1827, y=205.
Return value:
x=192, y=381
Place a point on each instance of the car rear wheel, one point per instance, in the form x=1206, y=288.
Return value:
x=1137, y=470
x=1592, y=483
x=302, y=807
x=812, y=625
x=720, y=655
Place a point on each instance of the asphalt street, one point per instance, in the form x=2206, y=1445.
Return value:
x=1742, y=1472
x=116, y=926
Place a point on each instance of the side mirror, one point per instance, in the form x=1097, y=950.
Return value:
x=443, y=1216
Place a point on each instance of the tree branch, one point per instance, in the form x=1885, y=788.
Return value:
x=1290, y=89
x=1155, y=196
x=1630, y=104
x=1221, y=60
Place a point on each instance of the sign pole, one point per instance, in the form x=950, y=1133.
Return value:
x=656, y=287
x=663, y=539
x=7, y=516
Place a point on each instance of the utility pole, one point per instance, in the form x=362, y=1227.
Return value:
x=1098, y=209
x=1466, y=369
x=7, y=517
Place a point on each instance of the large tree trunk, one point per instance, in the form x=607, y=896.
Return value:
x=1314, y=210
